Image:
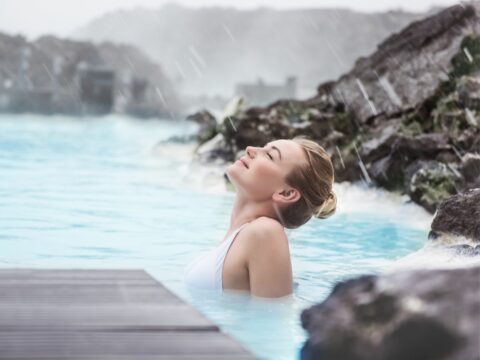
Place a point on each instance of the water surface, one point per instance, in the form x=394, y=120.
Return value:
x=108, y=192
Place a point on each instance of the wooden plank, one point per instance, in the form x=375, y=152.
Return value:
x=72, y=274
x=63, y=344
x=102, y=315
x=65, y=293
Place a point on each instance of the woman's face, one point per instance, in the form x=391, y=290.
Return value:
x=260, y=173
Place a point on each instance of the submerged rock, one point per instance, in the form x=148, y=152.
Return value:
x=414, y=315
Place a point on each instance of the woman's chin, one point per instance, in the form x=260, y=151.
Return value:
x=230, y=173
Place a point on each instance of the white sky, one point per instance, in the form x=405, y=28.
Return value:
x=60, y=17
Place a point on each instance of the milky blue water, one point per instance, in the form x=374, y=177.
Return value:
x=107, y=193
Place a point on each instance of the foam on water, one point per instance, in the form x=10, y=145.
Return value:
x=435, y=256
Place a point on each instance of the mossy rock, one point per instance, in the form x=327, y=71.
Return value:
x=411, y=129
x=467, y=60
x=343, y=122
x=431, y=185
x=468, y=92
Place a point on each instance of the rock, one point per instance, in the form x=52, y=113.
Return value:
x=257, y=126
x=214, y=150
x=400, y=151
x=452, y=115
x=399, y=75
x=345, y=160
x=458, y=216
x=424, y=145
x=208, y=125
x=388, y=172
x=203, y=117
x=382, y=139
x=468, y=61
x=469, y=140
x=429, y=183
x=469, y=92
x=414, y=315
x=470, y=169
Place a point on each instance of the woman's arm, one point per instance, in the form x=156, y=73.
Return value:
x=268, y=259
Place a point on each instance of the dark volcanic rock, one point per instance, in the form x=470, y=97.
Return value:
x=470, y=169
x=214, y=150
x=469, y=92
x=414, y=315
x=404, y=71
x=207, y=123
x=458, y=216
x=430, y=182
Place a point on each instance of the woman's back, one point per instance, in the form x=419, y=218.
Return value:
x=257, y=259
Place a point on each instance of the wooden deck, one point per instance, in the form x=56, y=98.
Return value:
x=102, y=314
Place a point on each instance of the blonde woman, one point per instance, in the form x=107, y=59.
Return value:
x=281, y=185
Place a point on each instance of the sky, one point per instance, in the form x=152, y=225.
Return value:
x=61, y=17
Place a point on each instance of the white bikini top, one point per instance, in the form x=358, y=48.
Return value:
x=205, y=272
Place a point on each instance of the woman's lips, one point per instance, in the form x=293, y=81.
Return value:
x=243, y=162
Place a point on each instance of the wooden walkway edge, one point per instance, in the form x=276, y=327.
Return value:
x=103, y=314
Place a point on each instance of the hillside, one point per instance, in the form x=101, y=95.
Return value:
x=208, y=50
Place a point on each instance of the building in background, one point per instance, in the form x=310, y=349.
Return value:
x=57, y=76
x=261, y=93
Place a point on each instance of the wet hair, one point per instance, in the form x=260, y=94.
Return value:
x=314, y=182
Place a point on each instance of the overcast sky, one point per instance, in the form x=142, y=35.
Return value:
x=36, y=17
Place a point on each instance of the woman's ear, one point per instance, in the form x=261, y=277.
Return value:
x=287, y=195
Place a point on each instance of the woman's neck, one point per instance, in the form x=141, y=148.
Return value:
x=245, y=211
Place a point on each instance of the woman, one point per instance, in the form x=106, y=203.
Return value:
x=281, y=185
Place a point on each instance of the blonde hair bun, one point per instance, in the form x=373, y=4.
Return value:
x=328, y=207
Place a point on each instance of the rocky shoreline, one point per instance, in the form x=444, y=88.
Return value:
x=405, y=118
x=408, y=314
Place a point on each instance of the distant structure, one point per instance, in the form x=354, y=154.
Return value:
x=96, y=85
x=260, y=93
x=138, y=96
x=53, y=76
x=96, y=89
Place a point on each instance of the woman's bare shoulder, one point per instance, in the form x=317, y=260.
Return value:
x=263, y=233
x=268, y=258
